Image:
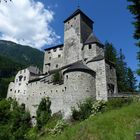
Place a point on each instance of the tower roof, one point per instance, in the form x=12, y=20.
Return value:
x=92, y=39
x=78, y=11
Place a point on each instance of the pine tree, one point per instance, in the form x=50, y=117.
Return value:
x=121, y=70
x=131, y=80
x=110, y=52
x=134, y=8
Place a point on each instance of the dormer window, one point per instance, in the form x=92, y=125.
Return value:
x=89, y=46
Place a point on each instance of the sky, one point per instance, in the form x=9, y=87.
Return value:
x=39, y=23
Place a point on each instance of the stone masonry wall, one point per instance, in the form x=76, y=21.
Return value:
x=79, y=86
x=101, y=84
x=53, y=59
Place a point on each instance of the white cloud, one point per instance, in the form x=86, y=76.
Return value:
x=27, y=22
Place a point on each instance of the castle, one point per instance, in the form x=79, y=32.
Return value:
x=72, y=71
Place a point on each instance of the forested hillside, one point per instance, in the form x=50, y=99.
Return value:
x=22, y=54
x=14, y=57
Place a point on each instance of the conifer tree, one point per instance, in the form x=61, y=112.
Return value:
x=121, y=69
x=110, y=52
x=131, y=80
x=134, y=8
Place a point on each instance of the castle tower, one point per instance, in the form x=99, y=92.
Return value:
x=77, y=28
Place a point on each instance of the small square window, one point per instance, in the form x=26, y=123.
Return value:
x=89, y=46
x=59, y=55
x=49, y=52
x=56, y=65
x=49, y=58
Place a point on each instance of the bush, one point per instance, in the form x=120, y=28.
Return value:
x=118, y=102
x=14, y=120
x=98, y=106
x=61, y=124
x=57, y=78
x=43, y=113
x=84, y=110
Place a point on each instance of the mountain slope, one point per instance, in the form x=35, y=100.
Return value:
x=14, y=57
x=8, y=70
x=21, y=54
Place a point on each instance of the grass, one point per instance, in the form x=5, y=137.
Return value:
x=119, y=124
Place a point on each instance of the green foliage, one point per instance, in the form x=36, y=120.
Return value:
x=117, y=103
x=43, y=113
x=14, y=120
x=110, y=52
x=98, y=107
x=14, y=57
x=121, y=70
x=134, y=8
x=131, y=80
x=84, y=110
x=59, y=127
x=125, y=77
x=57, y=78
x=24, y=55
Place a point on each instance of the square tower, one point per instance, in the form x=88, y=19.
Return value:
x=77, y=28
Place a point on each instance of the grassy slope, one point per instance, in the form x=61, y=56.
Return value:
x=118, y=124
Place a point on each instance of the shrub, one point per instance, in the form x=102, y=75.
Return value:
x=43, y=112
x=98, y=106
x=59, y=127
x=118, y=102
x=57, y=78
x=83, y=111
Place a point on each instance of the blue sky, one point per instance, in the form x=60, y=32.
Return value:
x=113, y=22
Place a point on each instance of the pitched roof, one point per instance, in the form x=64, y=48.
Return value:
x=79, y=66
x=92, y=39
x=97, y=58
x=78, y=11
x=34, y=70
x=54, y=47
